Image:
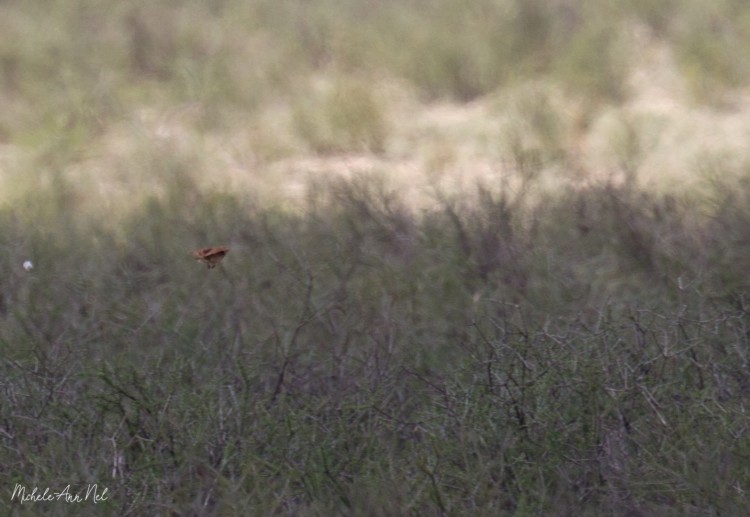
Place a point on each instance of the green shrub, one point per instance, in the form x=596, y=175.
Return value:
x=345, y=116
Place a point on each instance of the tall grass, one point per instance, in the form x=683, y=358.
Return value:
x=521, y=346
x=585, y=354
x=239, y=55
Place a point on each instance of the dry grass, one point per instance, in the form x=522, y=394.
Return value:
x=473, y=271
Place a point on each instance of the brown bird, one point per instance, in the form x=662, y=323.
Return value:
x=211, y=256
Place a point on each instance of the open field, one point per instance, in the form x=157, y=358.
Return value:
x=487, y=257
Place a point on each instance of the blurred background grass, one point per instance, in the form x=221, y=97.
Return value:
x=487, y=257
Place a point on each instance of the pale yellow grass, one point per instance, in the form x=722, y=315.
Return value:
x=658, y=133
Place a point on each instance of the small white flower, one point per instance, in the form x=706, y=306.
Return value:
x=27, y=265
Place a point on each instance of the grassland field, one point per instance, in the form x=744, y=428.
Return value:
x=486, y=258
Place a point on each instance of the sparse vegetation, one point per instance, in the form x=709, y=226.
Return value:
x=552, y=336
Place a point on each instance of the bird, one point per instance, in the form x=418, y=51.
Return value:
x=211, y=256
